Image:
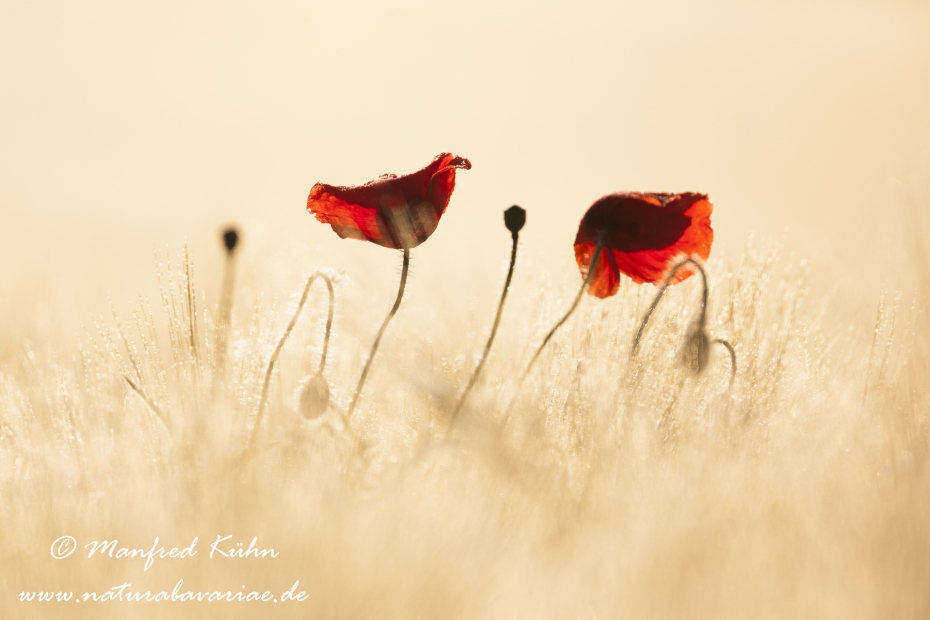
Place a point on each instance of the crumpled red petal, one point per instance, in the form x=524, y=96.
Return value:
x=392, y=211
x=606, y=279
x=646, y=234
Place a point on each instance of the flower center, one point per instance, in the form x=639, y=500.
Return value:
x=631, y=229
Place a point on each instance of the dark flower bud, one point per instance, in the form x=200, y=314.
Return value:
x=514, y=219
x=314, y=397
x=696, y=352
x=230, y=239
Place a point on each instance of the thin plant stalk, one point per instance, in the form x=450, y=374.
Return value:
x=584, y=285
x=665, y=285
x=277, y=351
x=387, y=319
x=191, y=303
x=148, y=401
x=732, y=352
x=698, y=327
x=225, y=312
x=329, y=322
x=135, y=365
x=487, y=347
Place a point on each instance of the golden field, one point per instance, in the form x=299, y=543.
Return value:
x=606, y=487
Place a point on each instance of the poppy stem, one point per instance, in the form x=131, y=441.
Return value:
x=655, y=302
x=497, y=320
x=329, y=323
x=592, y=268
x=732, y=352
x=387, y=319
x=225, y=313
x=277, y=350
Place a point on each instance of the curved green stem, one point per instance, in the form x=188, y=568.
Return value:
x=387, y=319
x=665, y=285
x=487, y=347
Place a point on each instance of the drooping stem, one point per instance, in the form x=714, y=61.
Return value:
x=732, y=351
x=487, y=347
x=277, y=350
x=665, y=285
x=387, y=319
x=592, y=268
x=230, y=239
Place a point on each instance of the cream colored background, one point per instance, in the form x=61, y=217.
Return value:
x=129, y=126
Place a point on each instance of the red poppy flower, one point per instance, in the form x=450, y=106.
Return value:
x=644, y=233
x=392, y=211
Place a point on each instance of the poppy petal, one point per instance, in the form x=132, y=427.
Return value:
x=699, y=237
x=392, y=211
x=442, y=183
x=645, y=233
x=652, y=265
x=349, y=220
x=606, y=279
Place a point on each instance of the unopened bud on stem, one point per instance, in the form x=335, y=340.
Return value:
x=314, y=397
x=696, y=352
x=514, y=219
x=230, y=239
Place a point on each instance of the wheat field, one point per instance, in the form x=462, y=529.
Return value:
x=603, y=486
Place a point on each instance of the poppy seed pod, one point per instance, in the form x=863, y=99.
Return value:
x=314, y=397
x=696, y=352
x=515, y=219
x=230, y=239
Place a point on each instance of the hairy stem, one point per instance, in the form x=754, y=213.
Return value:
x=732, y=352
x=665, y=285
x=329, y=323
x=487, y=347
x=225, y=314
x=277, y=350
x=584, y=285
x=374, y=347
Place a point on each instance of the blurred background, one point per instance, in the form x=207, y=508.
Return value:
x=129, y=127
